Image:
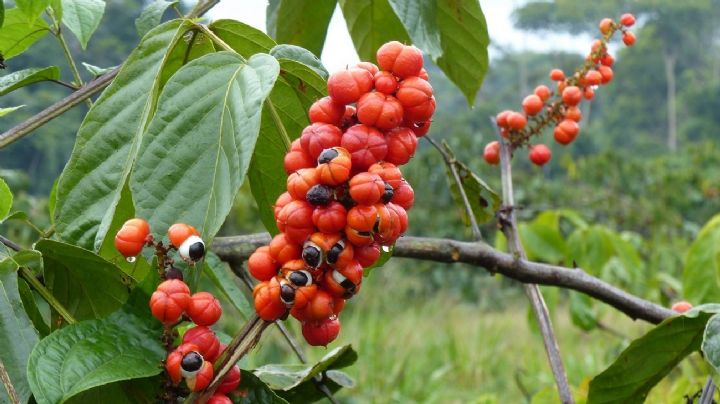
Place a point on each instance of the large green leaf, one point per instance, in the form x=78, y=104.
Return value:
x=6, y=199
x=711, y=342
x=301, y=55
x=17, y=34
x=372, y=23
x=202, y=145
x=2, y=13
x=542, y=238
x=32, y=8
x=86, y=284
x=243, y=38
x=93, y=353
x=454, y=34
x=219, y=274
x=255, y=391
x=283, y=119
x=82, y=17
x=650, y=358
x=582, y=311
x=300, y=22
x=701, y=276
x=22, y=78
x=108, y=140
x=17, y=335
x=151, y=16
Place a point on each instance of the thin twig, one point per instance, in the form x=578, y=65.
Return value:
x=68, y=55
x=450, y=163
x=64, y=84
x=707, y=392
x=508, y=223
x=5, y=378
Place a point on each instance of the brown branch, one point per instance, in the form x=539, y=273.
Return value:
x=482, y=255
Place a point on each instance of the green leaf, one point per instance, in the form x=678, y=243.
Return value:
x=6, y=199
x=255, y=391
x=591, y=248
x=31, y=309
x=483, y=200
x=2, y=13
x=385, y=254
x=711, y=342
x=136, y=391
x=650, y=358
x=5, y=111
x=701, y=276
x=52, y=201
x=582, y=311
x=108, y=140
x=17, y=335
x=32, y=8
x=542, y=238
x=93, y=353
x=283, y=119
x=22, y=78
x=17, y=34
x=82, y=17
x=290, y=22
x=19, y=215
x=454, y=34
x=218, y=273
x=96, y=71
x=307, y=392
x=86, y=284
x=301, y=55
x=151, y=16
x=202, y=145
x=243, y=38
x=372, y=23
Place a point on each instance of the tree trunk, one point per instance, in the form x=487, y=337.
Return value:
x=669, y=60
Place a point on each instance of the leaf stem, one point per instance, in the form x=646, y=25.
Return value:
x=68, y=56
x=5, y=378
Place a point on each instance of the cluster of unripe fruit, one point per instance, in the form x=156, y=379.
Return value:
x=346, y=197
x=560, y=107
x=172, y=302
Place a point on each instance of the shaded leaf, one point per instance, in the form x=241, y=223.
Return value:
x=31, y=8
x=93, y=353
x=582, y=311
x=255, y=391
x=300, y=22
x=29, y=302
x=22, y=78
x=244, y=39
x=5, y=111
x=542, y=239
x=96, y=71
x=2, y=13
x=6, y=199
x=82, y=17
x=701, y=276
x=711, y=342
x=372, y=23
x=218, y=273
x=301, y=55
x=17, y=35
x=151, y=16
x=202, y=145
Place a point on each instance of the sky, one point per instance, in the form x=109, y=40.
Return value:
x=339, y=51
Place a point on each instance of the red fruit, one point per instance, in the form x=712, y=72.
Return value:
x=573, y=113
x=593, y=78
x=491, y=154
x=628, y=38
x=299, y=182
x=402, y=61
x=388, y=172
x=334, y=166
x=516, y=121
x=424, y=74
x=416, y=97
x=570, y=127
x=174, y=360
x=131, y=237
x=219, y=399
x=179, y=232
x=404, y=195
x=350, y=117
x=366, y=188
x=572, y=95
x=343, y=282
x=401, y=145
x=540, y=154
x=557, y=75
x=318, y=137
x=370, y=67
x=386, y=82
x=283, y=250
x=379, y=110
x=321, y=333
x=360, y=224
x=331, y=218
x=366, y=145
x=297, y=158
x=202, y=379
x=204, y=309
x=295, y=220
x=606, y=74
x=340, y=254
x=532, y=104
x=607, y=60
x=561, y=136
x=280, y=203
x=321, y=306
x=627, y=20
x=605, y=25
x=588, y=93
x=543, y=92
x=170, y=300
x=501, y=118
x=206, y=341
x=367, y=255
x=268, y=305
x=402, y=218
x=325, y=110
x=420, y=129
x=230, y=382
x=681, y=306
x=347, y=86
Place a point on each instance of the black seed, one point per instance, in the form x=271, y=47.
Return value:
x=347, y=284
x=334, y=253
x=285, y=315
x=348, y=295
x=365, y=233
x=196, y=251
x=319, y=195
x=327, y=155
x=174, y=273
x=287, y=294
x=191, y=362
x=312, y=256
x=388, y=194
x=298, y=278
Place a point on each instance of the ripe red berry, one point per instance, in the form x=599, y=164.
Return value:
x=557, y=75
x=419, y=128
x=268, y=305
x=543, y=92
x=322, y=332
x=540, y=154
x=606, y=25
x=219, y=399
x=593, y=78
x=347, y=86
x=681, y=307
x=366, y=188
x=202, y=378
x=370, y=67
x=491, y=154
x=360, y=224
x=206, y=341
x=204, y=309
x=366, y=145
x=516, y=121
x=532, y=104
x=588, y=93
x=416, y=97
x=572, y=95
x=325, y=110
x=388, y=172
x=334, y=166
x=280, y=203
x=627, y=20
x=573, y=113
x=367, y=255
x=501, y=118
x=380, y=110
x=403, y=61
x=386, y=82
x=170, y=300
x=606, y=74
x=401, y=145
x=331, y=218
x=561, y=136
x=282, y=250
x=299, y=182
x=174, y=361
x=402, y=217
x=230, y=382
x=321, y=306
x=131, y=237
x=628, y=38
x=570, y=127
x=404, y=195
x=607, y=59
x=295, y=220
x=297, y=158
x=318, y=137
x=187, y=241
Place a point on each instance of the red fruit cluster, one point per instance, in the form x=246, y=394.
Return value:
x=346, y=196
x=560, y=107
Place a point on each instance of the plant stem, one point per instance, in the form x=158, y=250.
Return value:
x=5, y=378
x=68, y=55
